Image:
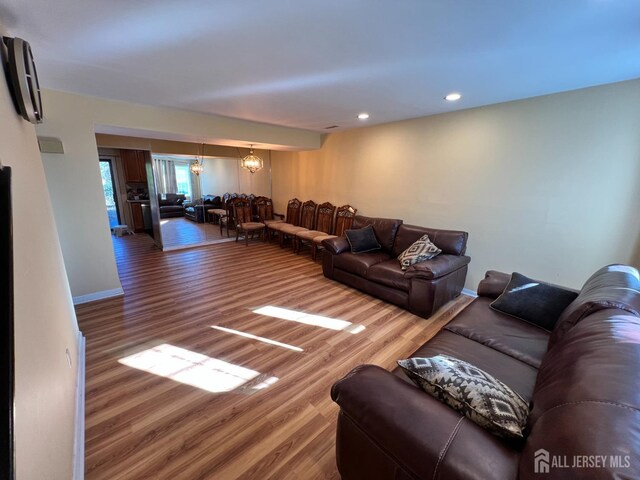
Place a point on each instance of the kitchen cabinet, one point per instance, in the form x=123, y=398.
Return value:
x=136, y=215
x=134, y=164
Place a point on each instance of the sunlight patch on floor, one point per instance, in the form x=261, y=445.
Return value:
x=309, y=319
x=255, y=337
x=191, y=368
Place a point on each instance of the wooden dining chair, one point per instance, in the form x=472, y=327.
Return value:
x=244, y=221
x=307, y=222
x=294, y=207
x=323, y=226
x=343, y=221
x=228, y=219
x=266, y=215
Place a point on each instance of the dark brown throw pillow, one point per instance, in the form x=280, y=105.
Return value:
x=532, y=301
x=362, y=240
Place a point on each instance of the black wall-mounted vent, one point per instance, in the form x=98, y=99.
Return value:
x=332, y=126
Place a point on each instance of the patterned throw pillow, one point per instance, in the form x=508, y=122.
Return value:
x=477, y=395
x=421, y=250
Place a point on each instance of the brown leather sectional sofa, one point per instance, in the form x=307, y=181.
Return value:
x=422, y=288
x=582, y=380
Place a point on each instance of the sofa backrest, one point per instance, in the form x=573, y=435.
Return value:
x=170, y=199
x=452, y=242
x=613, y=286
x=586, y=400
x=384, y=228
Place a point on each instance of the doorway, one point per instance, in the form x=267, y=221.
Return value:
x=109, y=187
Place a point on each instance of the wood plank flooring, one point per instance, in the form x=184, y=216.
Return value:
x=170, y=397
x=179, y=231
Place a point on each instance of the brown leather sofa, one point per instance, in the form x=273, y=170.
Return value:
x=196, y=211
x=582, y=380
x=172, y=205
x=422, y=288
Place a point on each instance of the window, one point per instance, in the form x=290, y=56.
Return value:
x=183, y=178
x=110, y=197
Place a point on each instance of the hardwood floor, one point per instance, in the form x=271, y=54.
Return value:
x=179, y=232
x=168, y=396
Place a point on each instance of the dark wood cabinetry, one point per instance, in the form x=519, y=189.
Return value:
x=134, y=164
x=136, y=215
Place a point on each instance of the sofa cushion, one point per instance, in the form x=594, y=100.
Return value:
x=384, y=228
x=533, y=301
x=613, y=286
x=390, y=274
x=419, y=251
x=452, y=242
x=171, y=208
x=518, y=375
x=471, y=391
x=362, y=239
x=506, y=334
x=358, y=263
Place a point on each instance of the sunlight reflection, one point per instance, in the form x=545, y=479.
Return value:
x=190, y=368
x=524, y=287
x=308, y=319
x=260, y=339
x=267, y=383
x=624, y=269
x=162, y=222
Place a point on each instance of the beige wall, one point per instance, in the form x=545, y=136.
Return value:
x=45, y=323
x=548, y=186
x=225, y=175
x=74, y=177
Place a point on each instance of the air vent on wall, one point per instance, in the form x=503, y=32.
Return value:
x=50, y=145
x=332, y=126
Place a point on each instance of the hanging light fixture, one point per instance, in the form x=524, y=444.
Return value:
x=197, y=166
x=252, y=162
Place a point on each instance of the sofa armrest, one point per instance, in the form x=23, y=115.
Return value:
x=437, y=267
x=493, y=284
x=336, y=245
x=417, y=432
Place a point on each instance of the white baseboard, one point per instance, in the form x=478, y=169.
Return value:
x=92, y=297
x=78, y=444
x=468, y=292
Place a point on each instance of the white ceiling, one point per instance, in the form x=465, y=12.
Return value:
x=315, y=63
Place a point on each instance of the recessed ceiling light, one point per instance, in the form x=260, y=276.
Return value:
x=363, y=116
x=452, y=97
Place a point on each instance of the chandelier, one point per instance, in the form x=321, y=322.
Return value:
x=197, y=166
x=252, y=162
